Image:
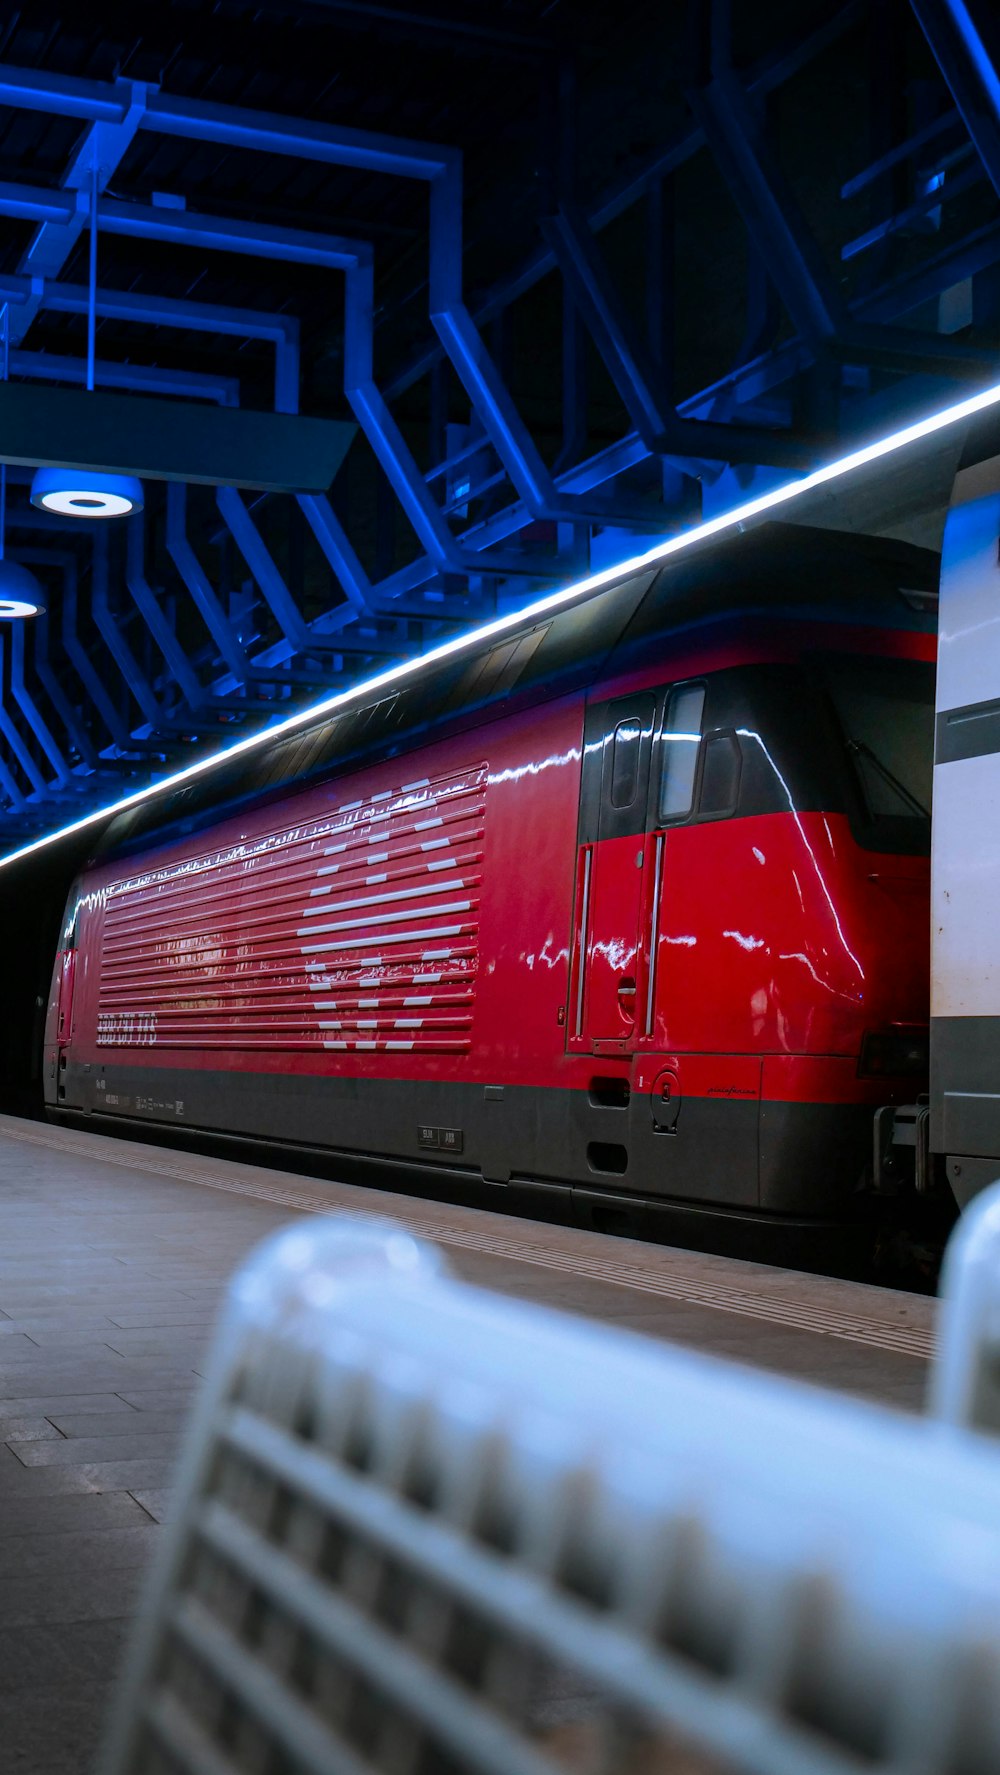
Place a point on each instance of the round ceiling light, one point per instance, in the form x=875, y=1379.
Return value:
x=20, y=592
x=80, y=493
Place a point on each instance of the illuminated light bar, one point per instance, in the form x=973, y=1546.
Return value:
x=83, y=493
x=583, y=588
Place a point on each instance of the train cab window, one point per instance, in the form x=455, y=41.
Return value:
x=885, y=708
x=625, y=759
x=721, y=766
x=681, y=737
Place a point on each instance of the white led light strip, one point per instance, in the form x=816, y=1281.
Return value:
x=582, y=588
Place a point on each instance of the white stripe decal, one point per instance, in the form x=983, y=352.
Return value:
x=375, y=900
x=422, y=825
x=353, y=924
x=433, y=844
x=444, y=863
x=450, y=930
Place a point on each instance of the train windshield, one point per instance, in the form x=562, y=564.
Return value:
x=885, y=709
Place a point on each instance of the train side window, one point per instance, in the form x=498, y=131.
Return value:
x=625, y=760
x=722, y=766
x=681, y=736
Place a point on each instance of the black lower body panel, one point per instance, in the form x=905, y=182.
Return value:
x=798, y=1160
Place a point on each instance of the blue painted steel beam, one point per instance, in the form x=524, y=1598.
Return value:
x=155, y=618
x=281, y=330
x=44, y=366
x=336, y=546
x=75, y=728
x=958, y=32
x=15, y=742
x=794, y=261
x=109, y=627
x=62, y=95
x=301, y=636
x=99, y=154
x=636, y=378
x=79, y=655
x=765, y=76
x=261, y=240
x=30, y=710
x=179, y=548
x=330, y=144
x=442, y=168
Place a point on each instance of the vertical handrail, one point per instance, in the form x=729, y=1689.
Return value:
x=582, y=942
x=654, y=933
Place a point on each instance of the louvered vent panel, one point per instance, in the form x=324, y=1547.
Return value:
x=358, y=931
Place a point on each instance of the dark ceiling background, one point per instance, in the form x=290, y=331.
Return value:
x=701, y=246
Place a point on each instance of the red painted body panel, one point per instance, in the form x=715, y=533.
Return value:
x=420, y=920
x=779, y=936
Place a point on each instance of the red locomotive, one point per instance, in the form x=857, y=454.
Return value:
x=633, y=900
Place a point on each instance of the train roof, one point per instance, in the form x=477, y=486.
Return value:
x=792, y=570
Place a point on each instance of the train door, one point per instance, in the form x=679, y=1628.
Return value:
x=611, y=875
x=66, y=965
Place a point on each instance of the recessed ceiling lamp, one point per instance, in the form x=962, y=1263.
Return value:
x=87, y=493
x=83, y=493
x=20, y=592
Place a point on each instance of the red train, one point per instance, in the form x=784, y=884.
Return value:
x=634, y=900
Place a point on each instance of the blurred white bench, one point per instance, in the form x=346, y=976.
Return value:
x=427, y=1530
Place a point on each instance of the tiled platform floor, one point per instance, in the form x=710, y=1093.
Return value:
x=112, y=1261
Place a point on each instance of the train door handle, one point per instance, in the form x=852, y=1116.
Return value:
x=626, y=990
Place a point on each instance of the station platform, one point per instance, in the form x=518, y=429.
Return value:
x=113, y=1258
